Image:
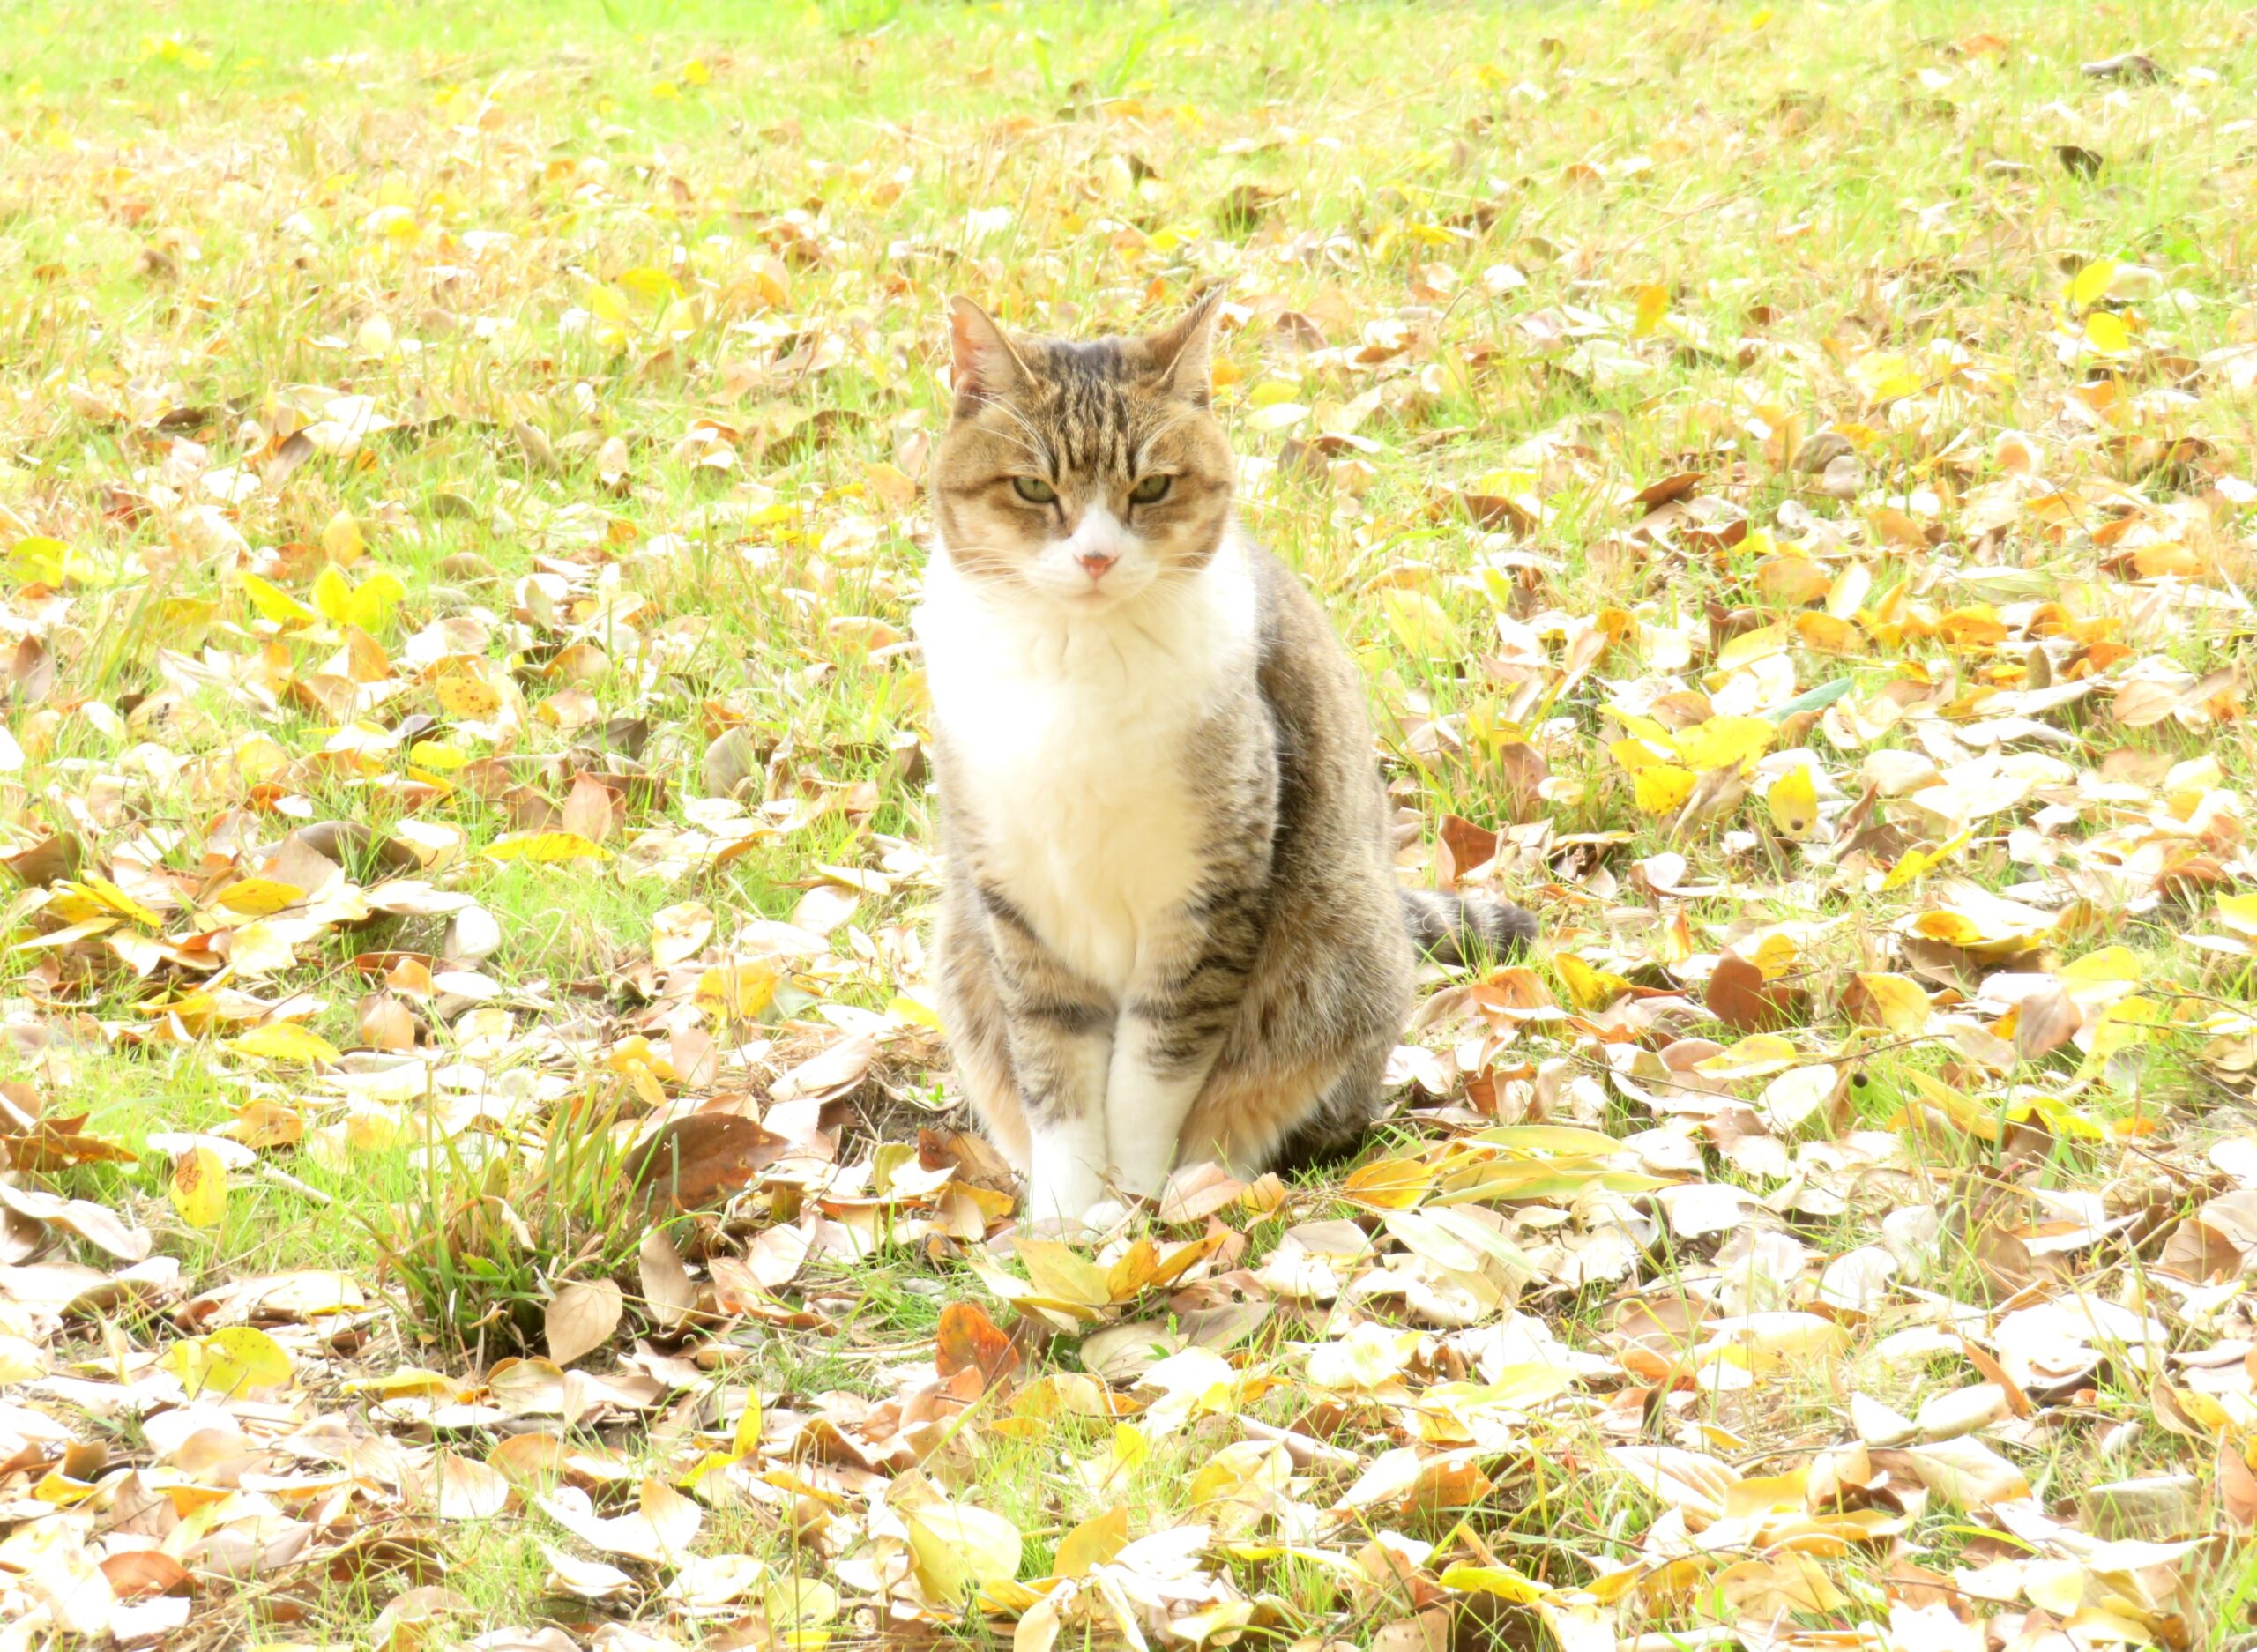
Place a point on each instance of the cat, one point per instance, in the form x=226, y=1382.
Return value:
x=1170, y=925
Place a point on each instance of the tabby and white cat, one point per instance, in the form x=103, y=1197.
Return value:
x=1171, y=927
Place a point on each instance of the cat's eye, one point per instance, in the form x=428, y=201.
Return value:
x=1151, y=489
x=1034, y=490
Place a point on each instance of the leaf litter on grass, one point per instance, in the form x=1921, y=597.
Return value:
x=478, y=1166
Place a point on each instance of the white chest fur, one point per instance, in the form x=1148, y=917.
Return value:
x=1069, y=736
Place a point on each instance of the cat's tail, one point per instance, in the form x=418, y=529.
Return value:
x=1460, y=928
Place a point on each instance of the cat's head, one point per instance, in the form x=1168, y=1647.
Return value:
x=1081, y=473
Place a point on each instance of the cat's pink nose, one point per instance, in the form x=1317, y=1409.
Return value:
x=1095, y=563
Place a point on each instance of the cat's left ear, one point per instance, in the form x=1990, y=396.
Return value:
x=1185, y=350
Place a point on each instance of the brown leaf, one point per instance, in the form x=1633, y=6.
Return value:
x=1993, y=1372
x=136, y=1574
x=1521, y=773
x=468, y=1489
x=385, y=1021
x=589, y=810
x=1194, y=1192
x=968, y=1340
x=776, y=1255
x=1966, y=1473
x=838, y=1070
x=2237, y=1487
x=731, y=761
x=2044, y=1021
x=693, y=1162
x=1428, y=1631
x=1466, y=846
x=528, y=1460
x=581, y=1318
x=668, y=1294
x=1738, y=996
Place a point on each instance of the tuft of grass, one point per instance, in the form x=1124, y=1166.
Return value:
x=492, y=1225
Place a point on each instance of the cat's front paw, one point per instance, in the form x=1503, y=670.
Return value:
x=1104, y=1216
x=1062, y=1203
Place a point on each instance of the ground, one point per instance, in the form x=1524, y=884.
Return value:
x=479, y=1156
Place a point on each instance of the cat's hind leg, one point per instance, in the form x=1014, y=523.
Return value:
x=978, y=1037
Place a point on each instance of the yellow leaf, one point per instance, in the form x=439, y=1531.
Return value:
x=2110, y=964
x=260, y=897
x=1917, y=863
x=544, y=847
x=238, y=1361
x=332, y=594
x=1550, y=1139
x=1391, y=1184
x=341, y=538
x=1241, y=1471
x=1953, y=928
x=2124, y=1023
x=799, y=1612
x=1793, y=800
x=1420, y=623
x=1092, y=1543
x=107, y=897
x=285, y=1041
x=956, y=1548
x=49, y=562
x=2090, y=284
x=1127, y=1451
x=2107, y=333
x=1894, y=1002
x=1825, y=635
x=1588, y=989
x=461, y=694
x=1663, y=788
x=1635, y=754
x=913, y=1010
x=651, y=285
x=1962, y=1109
x=1723, y=741
x=2059, y=1117
x=737, y=991
x=1759, y=1055
x=1775, y=955
x=1548, y=1178
x=1750, y=646
x=375, y=599
x=608, y=303
x=1763, y=1342
x=1494, y=1580
x=746, y=1439
x=439, y=755
x=199, y=1187
x=1653, y=304
x=275, y=603
x=1644, y=728
x=2239, y=913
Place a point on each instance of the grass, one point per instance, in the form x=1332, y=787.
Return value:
x=649, y=292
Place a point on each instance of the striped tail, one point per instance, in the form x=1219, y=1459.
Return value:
x=1462, y=928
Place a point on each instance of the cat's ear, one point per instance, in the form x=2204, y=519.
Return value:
x=1185, y=350
x=985, y=364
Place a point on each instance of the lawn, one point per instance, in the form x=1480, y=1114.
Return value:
x=479, y=1162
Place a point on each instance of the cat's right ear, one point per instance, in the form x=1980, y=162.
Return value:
x=983, y=364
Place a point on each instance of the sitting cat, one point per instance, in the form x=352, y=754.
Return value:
x=1171, y=926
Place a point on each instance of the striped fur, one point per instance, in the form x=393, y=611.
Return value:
x=1171, y=927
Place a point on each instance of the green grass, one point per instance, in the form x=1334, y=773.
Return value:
x=216, y=220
